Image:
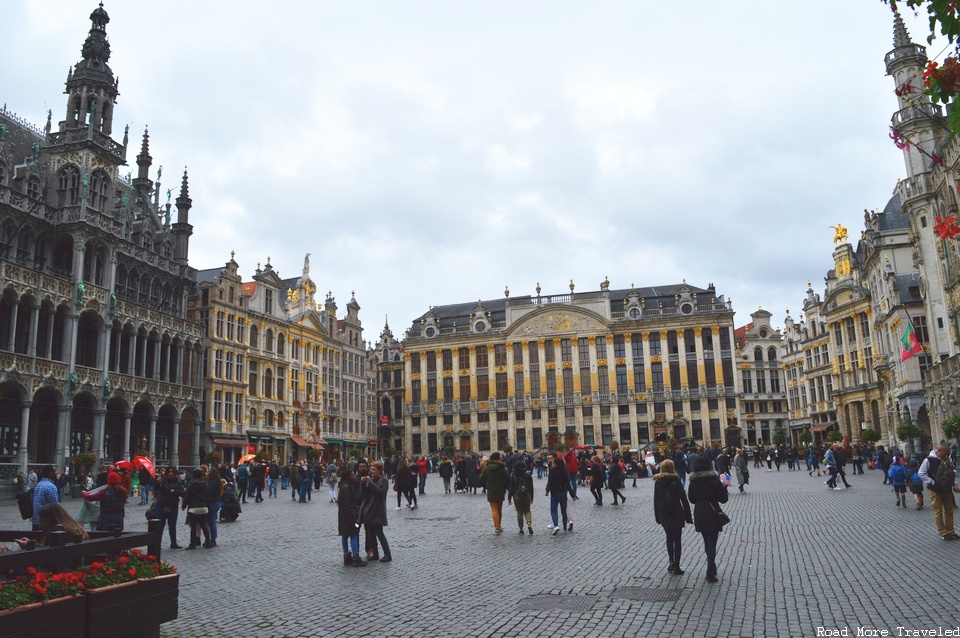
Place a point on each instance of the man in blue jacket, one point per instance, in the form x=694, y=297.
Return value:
x=45, y=492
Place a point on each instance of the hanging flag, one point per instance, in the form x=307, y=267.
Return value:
x=911, y=345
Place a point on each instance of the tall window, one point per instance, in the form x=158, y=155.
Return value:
x=448, y=359
x=268, y=301
x=517, y=353
x=431, y=361
x=464, y=388
x=481, y=354
x=281, y=383
x=68, y=186
x=548, y=353
x=654, y=343
x=501, y=386
x=253, y=389
x=566, y=350
x=603, y=380
x=415, y=363
x=583, y=352
x=463, y=358
x=500, y=354
x=483, y=387
x=619, y=347
x=621, y=380
x=636, y=345
x=534, y=384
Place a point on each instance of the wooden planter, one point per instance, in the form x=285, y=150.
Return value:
x=132, y=610
x=58, y=617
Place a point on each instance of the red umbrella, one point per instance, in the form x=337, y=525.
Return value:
x=245, y=458
x=143, y=462
x=123, y=465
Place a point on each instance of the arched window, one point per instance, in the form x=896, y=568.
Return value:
x=281, y=344
x=88, y=339
x=25, y=245
x=68, y=186
x=771, y=354
x=254, y=337
x=121, y=286
x=98, y=189
x=268, y=384
x=268, y=340
x=144, y=289
x=3, y=173
x=758, y=354
x=33, y=187
x=155, y=293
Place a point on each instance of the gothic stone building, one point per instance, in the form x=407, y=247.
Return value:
x=96, y=353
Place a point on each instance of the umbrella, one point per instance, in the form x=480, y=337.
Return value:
x=123, y=465
x=143, y=462
x=245, y=458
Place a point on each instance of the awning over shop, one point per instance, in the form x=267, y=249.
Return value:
x=822, y=427
x=230, y=442
x=301, y=442
x=335, y=441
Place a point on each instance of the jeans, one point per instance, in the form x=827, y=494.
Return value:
x=303, y=491
x=285, y=483
x=423, y=483
x=573, y=484
x=171, y=520
x=144, y=494
x=375, y=533
x=832, y=481
x=309, y=490
x=213, y=513
x=710, y=547
x=561, y=501
x=332, y=488
x=198, y=524
x=271, y=487
x=351, y=543
x=539, y=472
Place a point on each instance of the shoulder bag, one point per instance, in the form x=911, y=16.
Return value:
x=722, y=518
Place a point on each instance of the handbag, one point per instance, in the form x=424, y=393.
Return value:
x=197, y=511
x=722, y=518
x=153, y=512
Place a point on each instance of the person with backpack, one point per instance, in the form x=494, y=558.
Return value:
x=915, y=482
x=520, y=494
x=940, y=477
x=495, y=479
x=898, y=475
x=672, y=510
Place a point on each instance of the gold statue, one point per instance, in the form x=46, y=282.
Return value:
x=839, y=234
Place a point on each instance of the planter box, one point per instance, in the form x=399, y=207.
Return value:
x=132, y=610
x=59, y=617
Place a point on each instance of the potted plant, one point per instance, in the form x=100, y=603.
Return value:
x=870, y=436
x=951, y=427
x=834, y=436
x=389, y=452
x=507, y=449
x=779, y=438
x=313, y=455
x=213, y=458
x=805, y=438
x=907, y=431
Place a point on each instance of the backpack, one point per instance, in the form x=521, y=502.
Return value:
x=946, y=475
x=664, y=500
x=25, y=503
x=915, y=479
x=521, y=486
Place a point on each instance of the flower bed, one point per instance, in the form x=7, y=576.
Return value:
x=129, y=594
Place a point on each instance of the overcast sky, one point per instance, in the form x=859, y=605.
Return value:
x=429, y=153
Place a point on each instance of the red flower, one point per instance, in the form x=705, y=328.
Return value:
x=123, y=560
x=132, y=572
x=899, y=139
x=946, y=228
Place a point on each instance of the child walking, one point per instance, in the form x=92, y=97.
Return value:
x=916, y=483
x=898, y=475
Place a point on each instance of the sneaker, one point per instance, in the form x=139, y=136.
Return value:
x=520, y=532
x=569, y=526
x=398, y=508
x=530, y=530
x=498, y=532
x=556, y=530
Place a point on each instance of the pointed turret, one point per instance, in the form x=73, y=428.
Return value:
x=91, y=87
x=182, y=230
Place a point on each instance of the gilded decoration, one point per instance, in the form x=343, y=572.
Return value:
x=464, y=373
x=518, y=367
x=406, y=356
x=567, y=365
x=663, y=334
x=483, y=405
x=415, y=376
x=559, y=322
x=645, y=336
x=431, y=408
x=500, y=369
x=586, y=399
x=621, y=362
x=697, y=332
x=656, y=358
x=746, y=366
x=640, y=396
x=601, y=362
x=535, y=403
x=550, y=365
x=448, y=374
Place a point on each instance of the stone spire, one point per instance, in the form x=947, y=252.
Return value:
x=901, y=37
x=184, y=203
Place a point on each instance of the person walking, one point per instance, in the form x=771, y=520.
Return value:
x=598, y=476
x=303, y=478
x=706, y=493
x=196, y=503
x=940, y=477
x=405, y=482
x=495, y=480
x=884, y=459
x=671, y=510
x=742, y=471
x=295, y=483
x=45, y=491
x=558, y=486
x=446, y=473
x=830, y=461
x=915, y=482
x=422, y=474
x=273, y=479
x=259, y=475
x=898, y=476
x=145, y=479
x=214, y=502
x=373, y=512
x=520, y=495
x=331, y=479
x=169, y=491
x=348, y=506
x=616, y=479
x=243, y=480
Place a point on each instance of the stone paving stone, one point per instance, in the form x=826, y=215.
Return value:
x=796, y=556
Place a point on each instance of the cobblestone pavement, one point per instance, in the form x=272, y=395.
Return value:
x=796, y=557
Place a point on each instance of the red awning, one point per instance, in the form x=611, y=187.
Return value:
x=822, y=427
x=230, y=442
x=303, y=443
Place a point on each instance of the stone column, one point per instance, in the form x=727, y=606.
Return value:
x=63, y=434
x=22, y=456
x=141, y=369
x=99, y=417
x=126, y=434
x=14, y=311
x=152, y=441
x=175, y=444
x=70, y=339
x=34, y=326
x=195, y=461
x=52, y=320
x=132, y=355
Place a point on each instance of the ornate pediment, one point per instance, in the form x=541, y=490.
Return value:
x=559, y=320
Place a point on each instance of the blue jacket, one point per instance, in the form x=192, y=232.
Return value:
x=898, y=474
x=45, y=492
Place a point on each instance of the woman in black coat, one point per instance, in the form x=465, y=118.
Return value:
x=373, y=511
x=672, y=510
x=348, y=506
x=706, y=493
x=598, y=476
x=196, y=501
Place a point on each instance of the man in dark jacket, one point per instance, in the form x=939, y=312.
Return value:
x=258, y=476
x=273, y=478
x=941, y=497
x=495, y=479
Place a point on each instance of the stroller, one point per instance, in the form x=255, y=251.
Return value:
x=230, y=504
x=460, y=483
